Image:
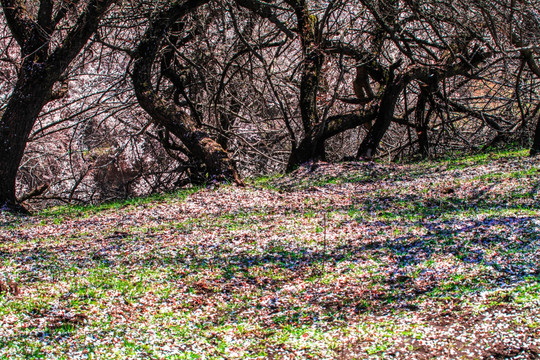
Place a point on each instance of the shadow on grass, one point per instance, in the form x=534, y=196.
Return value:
x=383, y=274
x=459, y=247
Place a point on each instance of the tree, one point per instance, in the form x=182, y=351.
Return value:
x=199, y=144
x=523, y=32
x=270, y=84
x=47, y=48
x=317, y=30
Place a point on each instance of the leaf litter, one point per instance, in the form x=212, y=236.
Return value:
x=353, y=260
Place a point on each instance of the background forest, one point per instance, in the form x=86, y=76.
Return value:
x=104, y=99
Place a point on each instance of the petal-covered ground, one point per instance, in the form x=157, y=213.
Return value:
x=437, y=260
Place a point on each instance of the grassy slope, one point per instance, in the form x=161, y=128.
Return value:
x=432, y=260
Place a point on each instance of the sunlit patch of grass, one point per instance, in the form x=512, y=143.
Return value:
x=343, y=179
x=88, y=210
x=265, y=181
x=528, y=291
x=444, y=210
x=458, y=285
x=459, y=159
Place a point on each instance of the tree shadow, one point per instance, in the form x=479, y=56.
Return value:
x=450, y=254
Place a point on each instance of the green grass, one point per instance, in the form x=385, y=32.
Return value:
x=460, y=159
x=60, y=212
x=335, y=265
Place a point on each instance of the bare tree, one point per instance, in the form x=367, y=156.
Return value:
x=169, y=115
x=50, y=35
x=171, y=93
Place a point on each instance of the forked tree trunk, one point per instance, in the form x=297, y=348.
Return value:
x=202, y=146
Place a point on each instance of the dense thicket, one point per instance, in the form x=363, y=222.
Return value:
x=145, y=96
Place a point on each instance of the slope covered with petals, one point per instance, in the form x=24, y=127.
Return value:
x=354, y=260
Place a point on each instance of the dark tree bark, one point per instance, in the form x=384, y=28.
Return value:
x=383, y=120
x=396, y=84
x=529, y=57
x=535, y=148
x=41, y=68
x=311, y=146
x=422, y=120
x=202, y=146
x=423, y=117
x=314, y=47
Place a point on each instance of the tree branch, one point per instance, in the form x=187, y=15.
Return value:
x=86, y=25
x=17, y=19
x=265, y=10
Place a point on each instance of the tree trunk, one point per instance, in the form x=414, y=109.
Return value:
x=312, y=146
x=384, y=118
x=23, y=108
x=422, y=120
x=40, y=69
x=309, y=149
x=219, y=165
x=535, y=148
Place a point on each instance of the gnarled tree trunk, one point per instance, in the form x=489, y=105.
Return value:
x=219, y=165
x=384, y=119
x=23, y=108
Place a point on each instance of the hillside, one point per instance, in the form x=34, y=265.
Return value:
x=437, y=260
